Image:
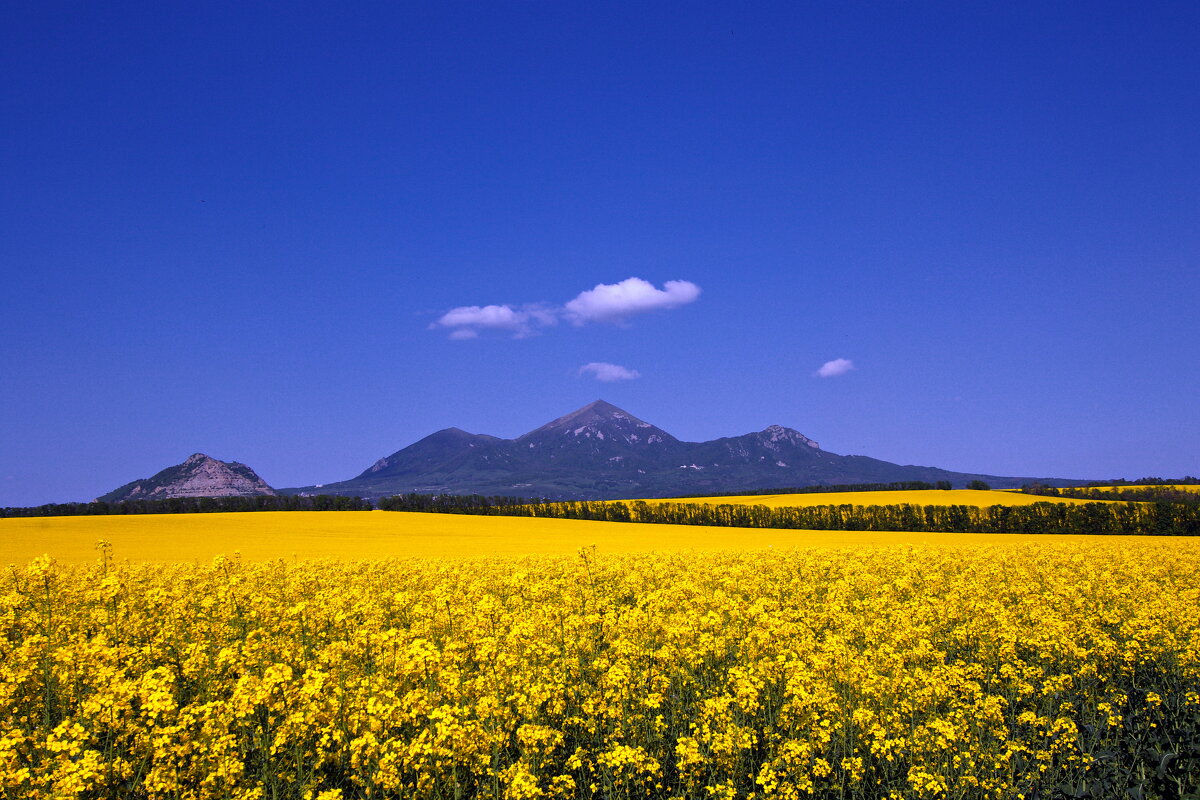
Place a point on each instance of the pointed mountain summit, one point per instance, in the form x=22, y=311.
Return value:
x=600, y=442
x=598, y=421
x=198, y=476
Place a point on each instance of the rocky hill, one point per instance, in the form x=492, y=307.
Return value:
x=602, y=452
x=198, y=476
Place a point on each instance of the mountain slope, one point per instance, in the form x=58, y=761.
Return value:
x=435, y=464
x=198, y=476
x=602, y=452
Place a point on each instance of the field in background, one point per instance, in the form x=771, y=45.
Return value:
x=1178, y=487
x=349, y=535
x=922, y=497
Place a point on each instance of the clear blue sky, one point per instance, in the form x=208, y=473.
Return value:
x=234, y=228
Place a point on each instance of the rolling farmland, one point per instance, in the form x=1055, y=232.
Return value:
x=354, y=655
x=355, y=535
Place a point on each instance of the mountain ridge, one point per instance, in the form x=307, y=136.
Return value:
x=602, y=452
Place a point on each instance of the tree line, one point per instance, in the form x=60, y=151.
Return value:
x=1131, y=492
x=481, y=504
x=1188, y=480
x=459, y=504
x=195, y=505
x=895, y=486
x=1148, y=519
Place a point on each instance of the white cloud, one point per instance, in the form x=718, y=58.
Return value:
x=607, y=302
x=465, y=322
x=608, y=373
x=614, y=301
x=482, y=317
x=831, y=369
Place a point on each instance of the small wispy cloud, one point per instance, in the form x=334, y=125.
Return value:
x=603, y=371
x=607, y=302
x=832, y=369
x=465, y=322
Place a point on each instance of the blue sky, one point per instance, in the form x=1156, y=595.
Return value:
x=235, y=228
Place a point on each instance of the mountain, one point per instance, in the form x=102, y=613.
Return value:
x=599, y=434
x=602, y=452
x=199, y=476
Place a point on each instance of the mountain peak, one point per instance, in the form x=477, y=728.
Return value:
x=778, y=433
x=600, y=408
x=601, y=420
x=458, y=435
x=600, y=404
x=597, y=409
x=198, y=476
x=454, y=432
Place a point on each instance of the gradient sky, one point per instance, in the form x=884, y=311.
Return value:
x=234, y=228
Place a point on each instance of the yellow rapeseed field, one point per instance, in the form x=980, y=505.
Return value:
x=921, y=497
x=267, y=535
x=1034, y=668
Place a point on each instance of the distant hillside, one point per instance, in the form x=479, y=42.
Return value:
x=198, y=476
x=602, y=452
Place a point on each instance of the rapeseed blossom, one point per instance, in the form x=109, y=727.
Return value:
x=887, y=672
